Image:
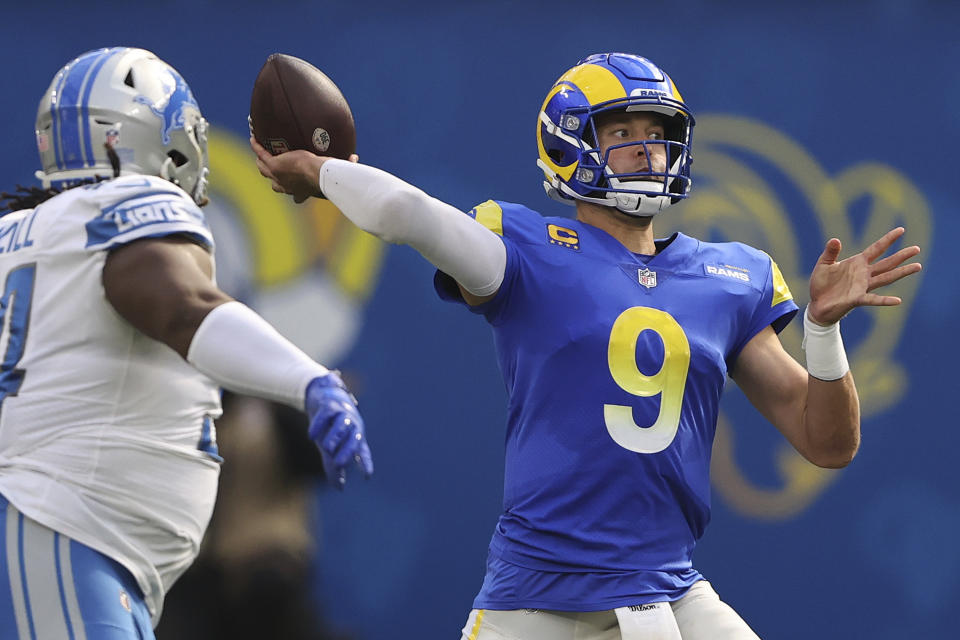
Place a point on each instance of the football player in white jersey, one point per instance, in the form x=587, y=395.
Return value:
x=114, y=341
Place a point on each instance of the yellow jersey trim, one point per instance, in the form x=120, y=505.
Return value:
x=781, y=292
x=490, y=215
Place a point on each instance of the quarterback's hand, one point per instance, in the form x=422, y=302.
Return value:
x=837, y=286
x=337, y=428
x=296, y=173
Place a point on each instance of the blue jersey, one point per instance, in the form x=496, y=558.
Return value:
x=614, y=364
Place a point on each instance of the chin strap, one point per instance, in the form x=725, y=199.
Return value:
x=626, y=199
x=633, y=204
x=639, y=204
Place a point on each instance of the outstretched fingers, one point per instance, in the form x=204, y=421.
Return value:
x=885, y=241
x=896, y=259
x=890, y=269
x=891, y=276
x=874, y=300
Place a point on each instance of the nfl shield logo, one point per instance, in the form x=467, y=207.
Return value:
x=647, y=278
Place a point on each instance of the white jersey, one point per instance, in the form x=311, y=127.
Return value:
x=106, y=435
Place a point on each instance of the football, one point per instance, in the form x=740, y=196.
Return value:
x=294, y=105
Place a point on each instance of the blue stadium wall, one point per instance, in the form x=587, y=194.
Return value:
x=814, y=119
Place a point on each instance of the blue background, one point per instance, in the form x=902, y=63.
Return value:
x=445, y=95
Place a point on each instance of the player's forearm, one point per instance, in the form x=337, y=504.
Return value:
x=832, y=408
x=397, y=212
x=240, y=351
x=831, y=422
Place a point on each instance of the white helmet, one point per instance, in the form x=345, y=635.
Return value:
x=126, y=101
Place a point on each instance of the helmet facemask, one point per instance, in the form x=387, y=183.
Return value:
x=643, y=192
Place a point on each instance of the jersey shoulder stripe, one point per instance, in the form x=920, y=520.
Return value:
x=137, y=207
x=490, y=215
x=517, y=223
x=781, y=292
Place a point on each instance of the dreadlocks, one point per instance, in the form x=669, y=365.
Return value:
x=25, y=198
x=30, y=197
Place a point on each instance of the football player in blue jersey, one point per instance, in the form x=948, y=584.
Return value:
x=615, y=347
x=117, y=339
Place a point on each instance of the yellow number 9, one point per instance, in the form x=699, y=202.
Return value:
x=670, y=381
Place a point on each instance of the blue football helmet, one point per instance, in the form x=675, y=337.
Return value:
x=574, y=167
x=133, y=102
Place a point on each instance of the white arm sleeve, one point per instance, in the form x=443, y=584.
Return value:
x=241, y=351
x=397, y=212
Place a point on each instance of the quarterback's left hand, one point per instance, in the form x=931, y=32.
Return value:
x=337, y=428
x=836, y=287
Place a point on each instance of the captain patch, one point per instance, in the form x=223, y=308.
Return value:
x=563, y=236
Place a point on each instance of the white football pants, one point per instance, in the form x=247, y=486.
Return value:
x=698, y=615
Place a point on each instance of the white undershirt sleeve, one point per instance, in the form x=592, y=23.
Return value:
x=241, y=351
x=398, y=212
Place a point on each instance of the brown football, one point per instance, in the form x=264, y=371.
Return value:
x=294, y=105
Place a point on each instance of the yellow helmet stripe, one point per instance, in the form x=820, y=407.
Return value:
x=563, y=172
x=673, y=89
x=595, y=82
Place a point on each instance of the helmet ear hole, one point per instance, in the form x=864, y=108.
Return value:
x=178, y=158
x=128, y=80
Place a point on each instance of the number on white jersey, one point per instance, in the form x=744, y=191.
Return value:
x=15, y=317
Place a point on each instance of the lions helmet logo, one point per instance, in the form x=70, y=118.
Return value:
x=172, y=108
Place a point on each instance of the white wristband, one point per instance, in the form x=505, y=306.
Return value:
x=826, y=358
x=241, y=351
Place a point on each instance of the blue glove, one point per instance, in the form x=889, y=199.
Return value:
x=337, y=428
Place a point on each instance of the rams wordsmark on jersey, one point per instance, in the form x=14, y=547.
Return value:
x=614, y=364
x=77, y=378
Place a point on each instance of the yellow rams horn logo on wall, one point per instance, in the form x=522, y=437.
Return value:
x=305, y=268
x=756, y=185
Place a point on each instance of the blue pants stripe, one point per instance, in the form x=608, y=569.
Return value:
x=23, y=578
x=61, y=587
x=54, y=588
